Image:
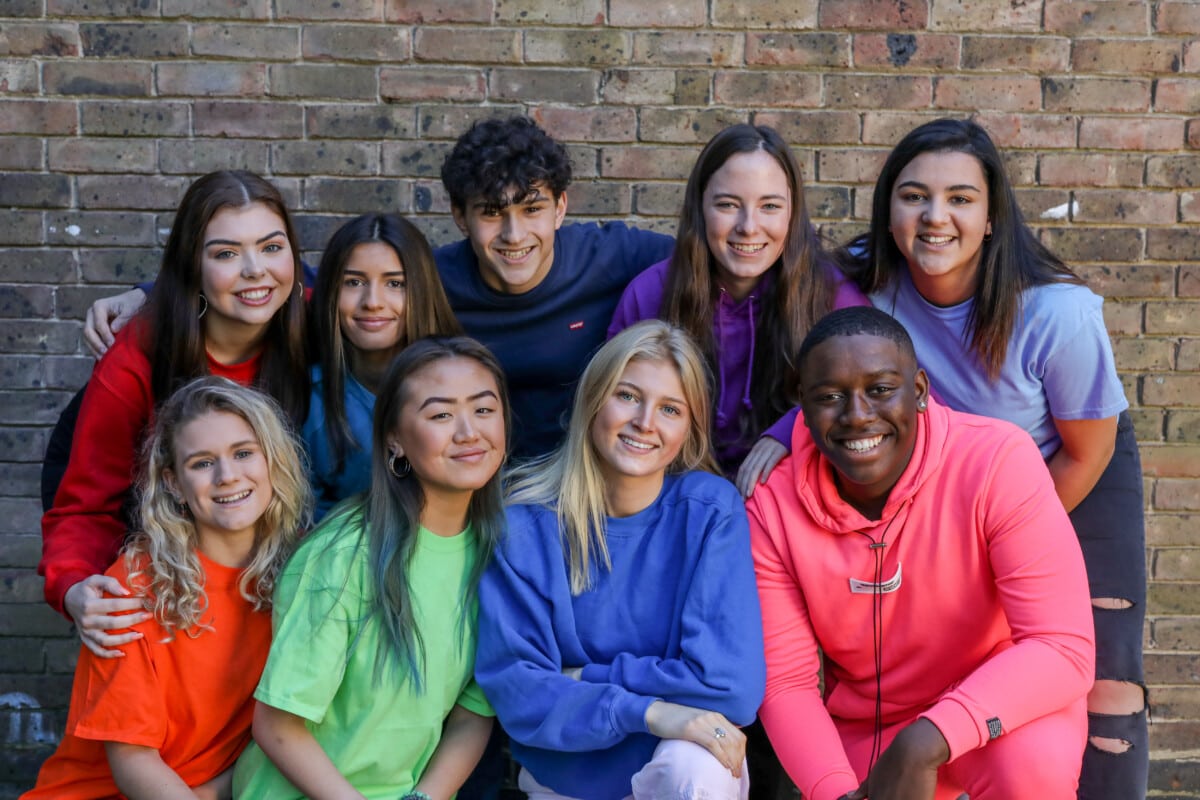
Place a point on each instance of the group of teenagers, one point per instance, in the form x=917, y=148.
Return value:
x=622, y=492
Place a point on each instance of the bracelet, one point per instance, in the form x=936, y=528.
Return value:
x=415, y=795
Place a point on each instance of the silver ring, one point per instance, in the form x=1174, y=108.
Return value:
x=719, y=733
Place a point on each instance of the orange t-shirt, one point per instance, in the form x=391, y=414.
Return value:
x=190, y=698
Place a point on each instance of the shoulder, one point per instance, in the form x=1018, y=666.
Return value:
x=339, y=539
x=703, y=489
x=1066, y=302
x=126, y=360
x=978, y=443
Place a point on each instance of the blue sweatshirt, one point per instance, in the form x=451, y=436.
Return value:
x=331, y=485
x=676, y=618
x=544, y=337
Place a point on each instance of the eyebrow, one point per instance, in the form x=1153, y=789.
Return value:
x=536, y=197
x=266, y=238
x=450, y=400
x=760, y=197
x=958, y=187
x=363, y=273
x=234, y=446
x=676, y=400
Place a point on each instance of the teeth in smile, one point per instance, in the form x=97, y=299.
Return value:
x=636, y=444
x=254, y=294
x=862, y=445
x=233, y=498
x=936, y=239
x=749, y=249
x=515, y=254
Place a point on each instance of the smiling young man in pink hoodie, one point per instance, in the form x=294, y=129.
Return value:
x=926, y=555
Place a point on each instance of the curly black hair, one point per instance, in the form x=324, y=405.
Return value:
x=496, y=155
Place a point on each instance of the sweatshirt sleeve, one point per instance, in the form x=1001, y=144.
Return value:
x=1040, y=576
x=83, y=532
x=519, y=665
x=781, y=431
x=793, y=713
x=720, y=667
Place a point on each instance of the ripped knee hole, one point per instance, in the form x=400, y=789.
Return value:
x=1113, y=603
x=1114, y=746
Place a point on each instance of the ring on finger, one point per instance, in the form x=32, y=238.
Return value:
x=719, y=733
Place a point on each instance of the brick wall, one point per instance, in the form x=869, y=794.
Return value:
x=108, y=108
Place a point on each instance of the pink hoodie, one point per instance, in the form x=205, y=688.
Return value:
x=990, y=620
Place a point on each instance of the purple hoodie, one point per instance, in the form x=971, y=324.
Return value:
x=734, y=328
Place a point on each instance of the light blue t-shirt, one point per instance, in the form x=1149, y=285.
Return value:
x=1059, y=363
x=330, y=485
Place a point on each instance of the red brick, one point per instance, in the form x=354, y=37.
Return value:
x=102, y=155
x=220, y=9
x=39, y=39
x=328, y=157
x=1189, y=355
x=595, y=198
x=1170, y=529
x=19, y=77
x=332, y=81
x=1173, y=245
x=1176, y=597
x=21, y=153
x=1130, y=280
x=874, y=15
x=488, y=45
x=765, y=14
x=877, y=91
x=1177, y=95
x=38, y=117
x=415, y=158
x=1094, y=244
x=1189, y=281
x=329, y=9
x=1036, y=54
x=1133, y=207
x=105, y=78
x=1083, y=18
x=641, y=162
x=1183, y=427
x=1142, y=354
x=849, y=165
x=1077, y=95
x=587, y=46
x=133, y=40
x=1173, y=171
x=1147, y=423
x=1126, y=56
x=596, y=124
x=769, y=89
x=1189, y=207
x=1173, y=633
x=911, y=50
x=663, y=48
x=640, y=14
x=422, y=11
x=1011, y=93
x=812, y=127
x=356, y=195
x=1122, y=318
x=363, y=43
x=638, y=86
x=888, y=127
x=985, y=15
x=675, y=126
x=116, y=118
x=661, y=199
x=1028, y=131
x=108, y=228
x=130, y=192
x=1177, y=18
x=100, y=8
x=449, y=121
x=693, y=87
x=249, y=120
x=782, y=49
x=1091, y=169
x=1191, y=57
x=209, y=78
x=359, y=121
x=552, y=12
x=433, y=83
x=241, y=41
x=1136, y=134
x=1178, y=317
x=528, y=85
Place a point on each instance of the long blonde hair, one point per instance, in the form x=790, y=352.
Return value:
x=171, y=578
x=569, y=479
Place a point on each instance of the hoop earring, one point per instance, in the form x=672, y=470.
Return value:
x=403, y=471
x=203, y=308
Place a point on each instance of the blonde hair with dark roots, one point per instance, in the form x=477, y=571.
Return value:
x=171, y=580
x=569, y=479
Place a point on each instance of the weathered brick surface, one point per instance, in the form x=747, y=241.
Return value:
x=109, y=108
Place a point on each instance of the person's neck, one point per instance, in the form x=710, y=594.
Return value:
x=369, y=366
x=625, y=496
x=233, y=344
x=225, y=548
x=445, y=513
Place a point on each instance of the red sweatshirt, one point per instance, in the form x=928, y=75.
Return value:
x=84, y=531
x=989, y=617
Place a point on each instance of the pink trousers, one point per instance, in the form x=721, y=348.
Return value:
x=1040, y=759
x=679, y=770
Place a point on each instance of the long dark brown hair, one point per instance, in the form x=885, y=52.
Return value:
x=173, y=336
x=426, y=310
x=801, y=292
x=1012, y=259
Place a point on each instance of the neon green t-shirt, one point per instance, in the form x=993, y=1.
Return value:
x=380, y=734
